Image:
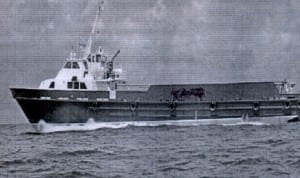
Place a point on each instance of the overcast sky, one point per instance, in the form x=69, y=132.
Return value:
x=161, y=41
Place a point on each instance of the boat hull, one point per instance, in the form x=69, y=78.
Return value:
x=74, y=111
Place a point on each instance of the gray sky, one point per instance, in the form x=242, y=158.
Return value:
x=161, y=41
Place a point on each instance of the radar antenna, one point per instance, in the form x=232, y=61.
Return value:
x=88, y=47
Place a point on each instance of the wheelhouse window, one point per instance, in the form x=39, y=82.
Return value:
x=68, y=65
x=71, y=65
x=82, y=85
x=75, y=65
x=52, y=85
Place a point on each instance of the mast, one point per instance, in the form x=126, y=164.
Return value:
x=88, y=47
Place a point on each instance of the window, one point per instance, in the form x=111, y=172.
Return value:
x=93, y=58
x=76, y=85
x=74, y=78
x=70, y=84
x=89, y=58
x=85, y=65
x=52, y=85
x=98, y=57
x=82, y=85
x=75, y=65
x=68, y=65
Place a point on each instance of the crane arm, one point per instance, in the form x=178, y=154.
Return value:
x=117, y=53
x=88, y=47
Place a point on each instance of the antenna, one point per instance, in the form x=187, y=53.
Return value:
x=88, y=47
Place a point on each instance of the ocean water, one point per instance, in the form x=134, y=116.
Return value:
x=232, y=150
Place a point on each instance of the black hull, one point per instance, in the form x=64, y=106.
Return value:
x=67, y=111
x=57, y=106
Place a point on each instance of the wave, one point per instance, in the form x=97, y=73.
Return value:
x=14, y=162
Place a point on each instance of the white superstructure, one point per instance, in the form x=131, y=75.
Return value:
x=94, y=71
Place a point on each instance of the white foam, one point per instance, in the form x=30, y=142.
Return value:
x=43, y=127
x=247, y=123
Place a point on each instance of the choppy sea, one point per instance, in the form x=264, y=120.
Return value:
x=236, y=150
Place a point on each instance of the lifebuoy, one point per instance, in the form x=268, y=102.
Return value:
x=94, y=106
x=256, y=106
x=133, y=106
x=172, y=106
x=213, y=106
x=287, y=104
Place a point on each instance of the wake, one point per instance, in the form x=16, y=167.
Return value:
x=43, y=127
x=90, y=125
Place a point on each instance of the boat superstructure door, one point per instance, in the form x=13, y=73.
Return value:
x=112, y=94
x=112, y=87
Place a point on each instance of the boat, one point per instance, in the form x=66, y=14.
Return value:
x=90, y=87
